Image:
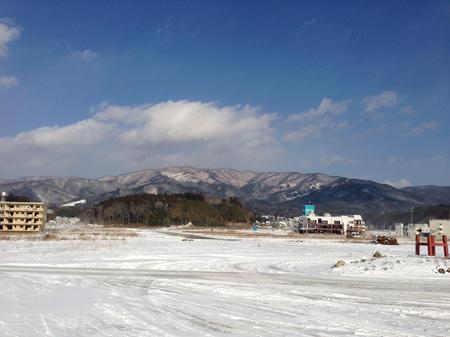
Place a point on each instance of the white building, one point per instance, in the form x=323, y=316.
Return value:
x=437, y=224
x=400, y=229
x=351, y=225
x=433, y=228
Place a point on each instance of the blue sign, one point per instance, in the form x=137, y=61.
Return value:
x=307, y=209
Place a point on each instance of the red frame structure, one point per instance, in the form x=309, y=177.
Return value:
x=432, y=244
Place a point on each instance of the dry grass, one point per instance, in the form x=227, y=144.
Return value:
x=77, y=232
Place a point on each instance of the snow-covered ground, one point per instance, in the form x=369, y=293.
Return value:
x=156, y=284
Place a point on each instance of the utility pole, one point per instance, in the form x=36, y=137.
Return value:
x=412, y=215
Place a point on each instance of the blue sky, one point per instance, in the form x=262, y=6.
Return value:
x=352, y=88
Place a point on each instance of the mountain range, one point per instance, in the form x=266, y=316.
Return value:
x=271, y=192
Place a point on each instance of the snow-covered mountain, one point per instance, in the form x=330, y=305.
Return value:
x=268, y=191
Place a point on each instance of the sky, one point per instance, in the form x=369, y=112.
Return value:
x=350, y=88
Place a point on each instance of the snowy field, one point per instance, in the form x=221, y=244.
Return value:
x=156, y=284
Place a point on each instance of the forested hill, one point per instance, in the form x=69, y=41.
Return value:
x=170, y=209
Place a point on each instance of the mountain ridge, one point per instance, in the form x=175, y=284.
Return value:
x=272, y=191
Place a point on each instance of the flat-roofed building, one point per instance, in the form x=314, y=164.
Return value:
x=22, y=216
x=350, y=225
x=437, y=224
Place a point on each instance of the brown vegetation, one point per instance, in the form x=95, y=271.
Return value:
x=168, y=209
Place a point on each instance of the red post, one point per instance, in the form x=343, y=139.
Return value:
x=445, y=242
x=417, y=244
x=429, y=245
x=433, y=245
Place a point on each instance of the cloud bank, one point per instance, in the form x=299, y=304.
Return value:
x=118, y=138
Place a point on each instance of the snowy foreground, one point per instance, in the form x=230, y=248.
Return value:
x=156, y=284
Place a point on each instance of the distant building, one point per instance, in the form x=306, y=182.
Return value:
x=401, y=229
x=350, y=225
x=22, y=216
x=437, y=224
x=433, y=227
x=411, y=229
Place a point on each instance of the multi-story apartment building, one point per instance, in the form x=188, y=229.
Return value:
x=22, y=216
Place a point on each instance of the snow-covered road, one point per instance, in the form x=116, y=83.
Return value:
x=159, y=285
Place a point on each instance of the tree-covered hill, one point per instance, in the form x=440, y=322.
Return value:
x=170, y=209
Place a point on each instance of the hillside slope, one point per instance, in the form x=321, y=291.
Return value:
x=275, y=192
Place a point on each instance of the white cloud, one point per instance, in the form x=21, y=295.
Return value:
x=130, y=137
x=83, y=133
x=7, y=82
x=185, y=121
x=326, y=106
x=8, y=33
x=75, y=145
x=85, y=55
x=398, y=183
x=386, y=99
x=315, y=120
x=425, y=127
